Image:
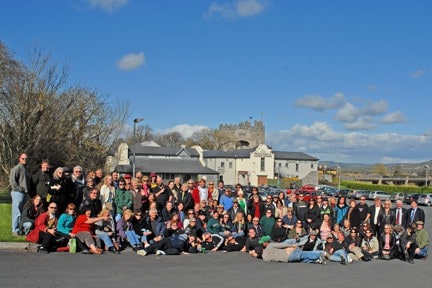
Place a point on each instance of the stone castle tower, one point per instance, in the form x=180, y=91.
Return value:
x=245, y=134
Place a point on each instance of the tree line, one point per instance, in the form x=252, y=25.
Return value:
x=46, y=116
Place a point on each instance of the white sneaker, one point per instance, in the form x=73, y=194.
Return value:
x=160, y=252
x=141, y=252
x=350, y=260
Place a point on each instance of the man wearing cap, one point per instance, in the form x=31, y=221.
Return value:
x=335, y=249
x=232, y=212
x=422, y=241
x=312, y=242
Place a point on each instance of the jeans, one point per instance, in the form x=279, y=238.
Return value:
x=132, y=238
x=304, y=256
x=106, y=239
x=423, y=252
x=17, y=206
x=336, y=256
x=26, y=227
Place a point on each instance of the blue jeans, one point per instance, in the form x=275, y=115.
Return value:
x=132, y=238
x=106, y=239
x=17, y=206
x=26, y=227
x=335, y=257
x=304, y=256
x=423, y=252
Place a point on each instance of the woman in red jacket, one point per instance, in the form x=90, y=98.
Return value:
x=84, y=229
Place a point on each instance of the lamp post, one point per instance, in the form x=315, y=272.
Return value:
x=426, y=173
x=136, y=120
x=338, y=173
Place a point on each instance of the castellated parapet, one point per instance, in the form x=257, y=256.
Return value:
x=245, y=134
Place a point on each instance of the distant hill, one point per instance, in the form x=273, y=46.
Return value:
x=400, y=168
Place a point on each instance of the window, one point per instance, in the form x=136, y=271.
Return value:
x=230, y=165
x=280, y=165
x=222, y=165
x=262, y=164
x=286, y=165
x=312, y=165
x=297, y=166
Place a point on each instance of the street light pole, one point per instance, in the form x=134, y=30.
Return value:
x=136, y=120
x=426, y=173
x=338, y=173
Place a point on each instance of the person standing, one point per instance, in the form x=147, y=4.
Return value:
x=41, y=181
x=20, y=182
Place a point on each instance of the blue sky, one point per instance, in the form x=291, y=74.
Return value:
x=344, y=81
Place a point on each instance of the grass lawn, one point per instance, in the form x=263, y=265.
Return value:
x=5, y=225
x=5, y=219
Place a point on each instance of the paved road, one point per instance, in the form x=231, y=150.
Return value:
x=29, y=269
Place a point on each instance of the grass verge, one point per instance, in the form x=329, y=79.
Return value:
x=5, y=225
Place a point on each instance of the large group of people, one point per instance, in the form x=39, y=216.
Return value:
x=113, y=212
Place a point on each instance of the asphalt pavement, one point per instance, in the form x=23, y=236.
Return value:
x=21, y=267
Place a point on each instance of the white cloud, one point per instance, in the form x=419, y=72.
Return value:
x=395, y=117
x=362, y=123
x=376, y=108
x=348, y=114
x=417, y=74
x=239, y=8
x=108, y=5
x=320, y=103
x=131, y=61
x=321, y=141
x=185, y=130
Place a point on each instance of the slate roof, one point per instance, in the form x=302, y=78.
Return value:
x=174, y=166
x=281, y=155
x=141, y=150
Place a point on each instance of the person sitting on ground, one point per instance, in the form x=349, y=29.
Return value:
x=422, y=241
x=32, y=209
x=84, y=230
x=104, y=229
x=387, y=243
x=405, y=243
x=66, y=222
x=251, y=242
x=279, y=233
x=352, y=245
x=155, y=225
x=125, y=232
x=370, y=245
x=267, y=222
x=45, y=229
x=312, y=242
x=214, y=225
x=335, y=250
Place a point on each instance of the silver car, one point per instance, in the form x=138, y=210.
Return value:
x=397, y=196
x=383, y=195
x=425, y=199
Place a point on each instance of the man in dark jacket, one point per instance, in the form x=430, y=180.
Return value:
x=41, y=181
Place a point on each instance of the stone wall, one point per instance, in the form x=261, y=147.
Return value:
x=246, y=134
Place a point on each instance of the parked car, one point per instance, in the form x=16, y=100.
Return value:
x=410, y=197
x=344, y=192
x=328, y=191
x=383, y=195
x=425, y=199
x=357, y=194
x=397, y=196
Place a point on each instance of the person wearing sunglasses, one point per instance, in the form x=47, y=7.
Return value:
x=45, y=230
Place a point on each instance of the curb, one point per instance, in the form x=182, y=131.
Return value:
x=21, y=246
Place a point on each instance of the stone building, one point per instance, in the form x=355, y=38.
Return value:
x=245, y=134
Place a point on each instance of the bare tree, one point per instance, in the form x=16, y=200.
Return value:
x=41, y=114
